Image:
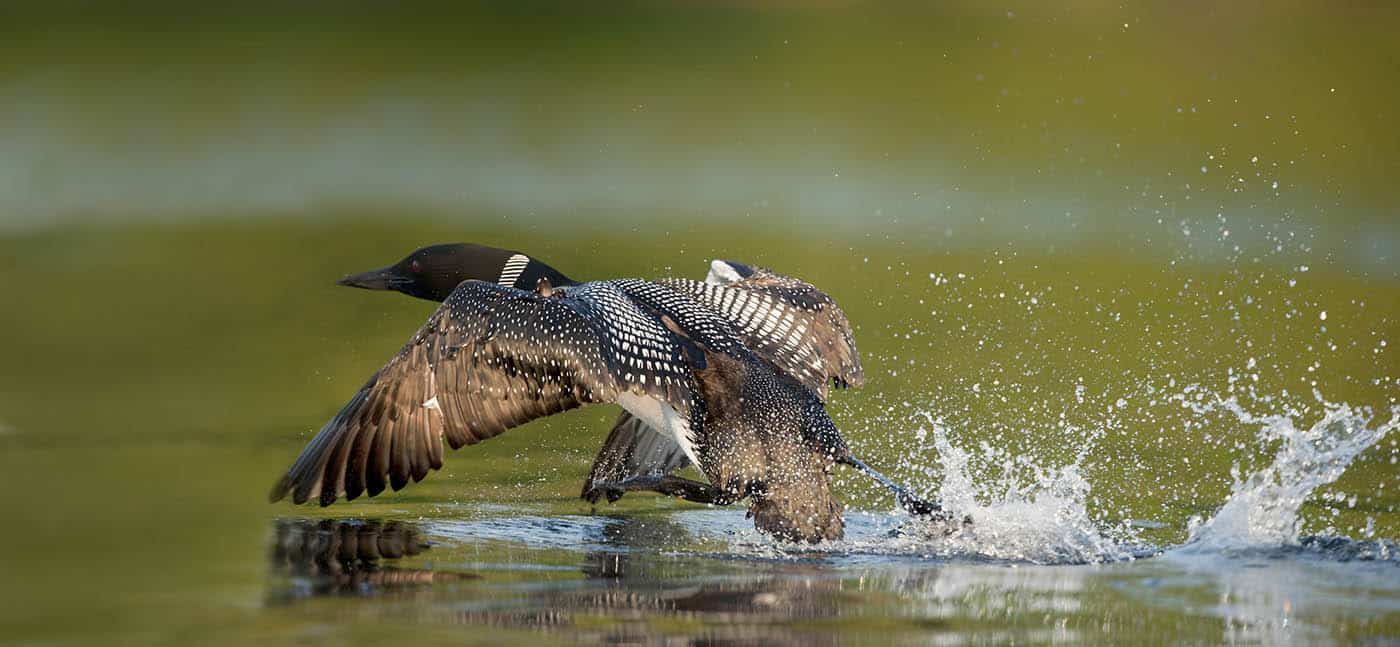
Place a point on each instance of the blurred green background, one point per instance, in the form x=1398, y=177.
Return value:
x=1044, y=221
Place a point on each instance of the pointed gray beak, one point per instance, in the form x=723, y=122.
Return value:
x=382, y=279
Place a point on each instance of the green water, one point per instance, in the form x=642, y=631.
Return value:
x=1009, y=204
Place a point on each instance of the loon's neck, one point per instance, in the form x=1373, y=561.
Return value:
x=524, y=273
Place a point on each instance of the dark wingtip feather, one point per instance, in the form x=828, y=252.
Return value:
x=280, y=489
x=353, y=490
x=303, y=485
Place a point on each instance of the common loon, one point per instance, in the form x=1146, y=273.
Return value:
x=808, y=337
x=731, y=372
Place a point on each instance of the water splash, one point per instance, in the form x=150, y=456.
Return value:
x=1027, y=508
x=1030, y=513
x=1024, y=511
x=1263, y=508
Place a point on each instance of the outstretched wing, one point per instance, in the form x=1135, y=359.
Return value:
x=786, y=321
x=489, y=359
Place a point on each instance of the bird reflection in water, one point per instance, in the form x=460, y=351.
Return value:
x=635, y=588
x=344, y=557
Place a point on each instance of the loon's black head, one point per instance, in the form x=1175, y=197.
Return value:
x=434, y=271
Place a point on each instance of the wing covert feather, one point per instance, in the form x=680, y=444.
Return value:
x=789, y=323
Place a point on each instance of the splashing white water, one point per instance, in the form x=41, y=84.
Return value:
x=1023, y=511
x=1263, y=509
x=1027, y=509
x=1029, y=514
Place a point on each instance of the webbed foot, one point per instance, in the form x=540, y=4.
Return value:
x=906, y=499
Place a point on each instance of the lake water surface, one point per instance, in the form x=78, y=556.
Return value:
x=1124, y=280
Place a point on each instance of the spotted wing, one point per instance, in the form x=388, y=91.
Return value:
x=489, y=359
x=816, y=346
x=786, y=321
x=683, y=315
x=634, y=448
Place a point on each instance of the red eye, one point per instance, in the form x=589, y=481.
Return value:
x=416, y=267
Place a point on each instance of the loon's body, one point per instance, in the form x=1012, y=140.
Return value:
x=789, y=324
x=728, y=375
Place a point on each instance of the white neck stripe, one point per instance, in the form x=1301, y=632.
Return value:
x=514, y=266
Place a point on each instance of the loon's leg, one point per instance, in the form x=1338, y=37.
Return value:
x=632, y=449
x=669, y=485
x=906, y=499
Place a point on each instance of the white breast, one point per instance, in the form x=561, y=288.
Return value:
x=661, y=417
